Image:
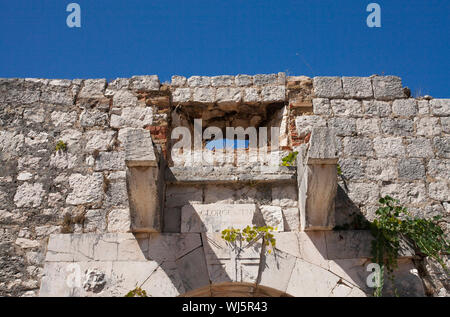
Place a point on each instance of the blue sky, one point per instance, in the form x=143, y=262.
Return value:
x=121, y=38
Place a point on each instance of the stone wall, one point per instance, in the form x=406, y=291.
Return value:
x=388, y=143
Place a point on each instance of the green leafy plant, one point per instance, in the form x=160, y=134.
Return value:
x=60, y=146
x=137, y=292
x=392, y=224
x=250, y=235
x=289, y=159
x=339, y=170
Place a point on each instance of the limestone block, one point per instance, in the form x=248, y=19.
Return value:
x=265, y=79
x=216, y=217
x=321, y=106
x=178, y=81
x=220, y=81
x=310, y=280
x=427, y=126
x=95, y=221
x=273, y=93
x=377, y=108
x=291, y=219
x=92, y=88
x=91, y=118
x=139, y=150
x=381, y=169
x=27, y=243
x=407, y=281
x=226, y=263
x=228, y=95
x=206, y=95
x=318, y=185
x=145, y=197
x=219, y=195
x=284, y=195
x=305, y=124
x=171, y=246
x=411, y=169
x=99, y=140
x=181, y=95
x=133, y=117
x=358, y=146
x=119, y=220
x=251, y=95
x=110, y=161
x=405, y=107
x=276, y=270
x=165, y=281
x=145, y=83
x=179, y=195
x=368, y=126
x=347, y=108
x=243, y=80
x=193, y=270
x=353, y=271
x=199, y=81
x=85, y=189
x=29, y=195
x=389, y=147
x=408, y=193
x=328, y=87
x=63, y=119
x=442, y=146
x=440, y=107
x=273, y=217
x=349, y=244
x=387, y=87
x=439, y=169
x=322, y=147
x=439, y=190
x=357, y=87
x=313, y=248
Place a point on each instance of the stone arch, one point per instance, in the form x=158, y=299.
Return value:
x=235, y=289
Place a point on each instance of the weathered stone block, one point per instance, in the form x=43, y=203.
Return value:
x=273, y=217
x=199, y=81
x=399, y=127
x=321, y=106
x=93, y=88
x=136, y=117
x=99, y=140
x=442, y=146
x=29, y=195
x=273, y=93
x=85, y=189
x=265, y=79
x=377, y=108
x=439, y=190
x=305, y=124
x=204, y=95
x=328, y=87
x=181, y=95
x=440, y=107
x=404, y=107
x=358, y=146
x=419, y=147
x=138, y=144
x=216, y=217
x=357, y=87
x=228, y=95
x=110, y=161
x=119, y=220
x=92, y=118
x=343, y=126
x=243, y=80
x=251, y=95
x=387, y=87
x=145, y=83
x=380, y=169
x=178, y=81
x=347, y=108
x=389, y=147
x=427, y=126
x=220, y=81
